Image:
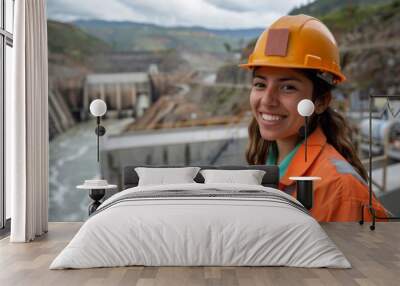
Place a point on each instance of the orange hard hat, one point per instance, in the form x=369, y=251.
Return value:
x=298, y=41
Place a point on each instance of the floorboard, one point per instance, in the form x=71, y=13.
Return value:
x=374, y=255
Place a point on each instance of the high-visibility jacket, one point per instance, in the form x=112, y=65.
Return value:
x=339, y=194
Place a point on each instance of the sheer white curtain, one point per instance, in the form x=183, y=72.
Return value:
x=27, y=124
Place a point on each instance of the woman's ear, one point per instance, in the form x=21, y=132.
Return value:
x=322, y=102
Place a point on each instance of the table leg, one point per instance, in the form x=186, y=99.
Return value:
x=96, y=195
x=305, y=193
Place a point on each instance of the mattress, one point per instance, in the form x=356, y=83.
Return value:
x=201, y=225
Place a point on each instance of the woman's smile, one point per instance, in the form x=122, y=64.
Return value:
x=271, y=119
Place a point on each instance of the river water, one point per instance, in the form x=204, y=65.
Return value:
x=73, y=159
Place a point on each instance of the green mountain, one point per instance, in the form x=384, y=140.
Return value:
x=130, y=36
x=70, y=41
x=344, y=16
x=320, y=8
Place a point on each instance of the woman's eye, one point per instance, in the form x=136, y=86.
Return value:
x=259, y=85
x=288, y=88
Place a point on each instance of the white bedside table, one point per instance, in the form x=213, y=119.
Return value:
x=96, y=193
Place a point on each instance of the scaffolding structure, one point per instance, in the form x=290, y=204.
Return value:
x=370, y=182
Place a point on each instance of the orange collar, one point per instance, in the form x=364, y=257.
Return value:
x=298, y=166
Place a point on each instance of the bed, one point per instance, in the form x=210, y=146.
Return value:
x=201, y=224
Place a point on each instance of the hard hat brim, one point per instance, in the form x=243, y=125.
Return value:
x=249, y=66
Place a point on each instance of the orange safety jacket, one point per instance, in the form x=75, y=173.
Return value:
x=340, y=193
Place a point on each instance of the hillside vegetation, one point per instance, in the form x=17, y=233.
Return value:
x=323, y=7
x=130, y=36
x=370, y=52
x=342, y=16
x=67, y=40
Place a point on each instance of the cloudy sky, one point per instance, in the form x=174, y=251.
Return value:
x=205, y=13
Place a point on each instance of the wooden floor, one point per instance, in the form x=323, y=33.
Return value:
x=374, y=255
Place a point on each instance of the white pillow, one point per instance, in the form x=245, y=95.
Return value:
x=162, y=176
x=248, y=177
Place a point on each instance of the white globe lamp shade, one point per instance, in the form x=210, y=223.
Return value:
x=305, y=107
x=98, y=107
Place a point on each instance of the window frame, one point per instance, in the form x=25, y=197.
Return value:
x=6, y=39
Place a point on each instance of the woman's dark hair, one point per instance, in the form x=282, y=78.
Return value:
x=332, y=123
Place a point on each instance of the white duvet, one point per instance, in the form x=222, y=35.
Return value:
x=200, y=231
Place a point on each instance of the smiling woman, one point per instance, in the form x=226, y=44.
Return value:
x=297, y=58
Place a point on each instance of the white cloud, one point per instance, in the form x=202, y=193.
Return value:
x=205, y=13
x=69, y=10
x=257, y=5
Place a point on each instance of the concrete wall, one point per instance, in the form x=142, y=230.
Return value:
x=221, y=152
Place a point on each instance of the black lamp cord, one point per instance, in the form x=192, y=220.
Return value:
x=305, y=134
x=98, y=141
